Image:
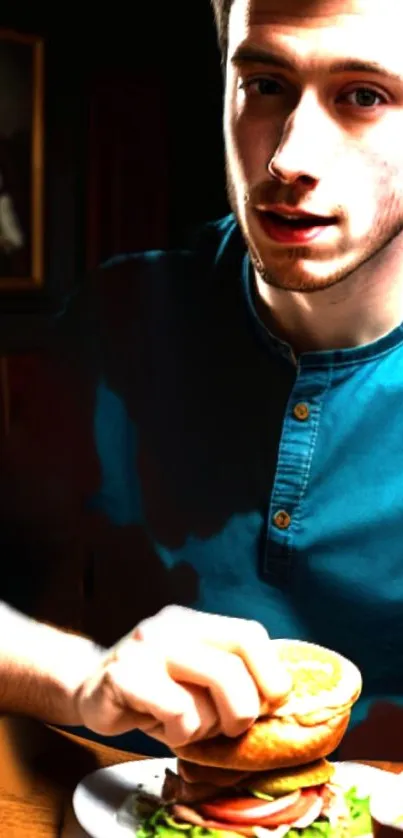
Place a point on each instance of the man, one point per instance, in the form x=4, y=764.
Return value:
x=248, y=387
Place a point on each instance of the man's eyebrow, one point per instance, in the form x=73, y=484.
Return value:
x=255, y=55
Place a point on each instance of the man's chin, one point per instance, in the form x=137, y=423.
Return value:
x=295, y=270
x=299, y=283
x=297, y=286
x=295, y=278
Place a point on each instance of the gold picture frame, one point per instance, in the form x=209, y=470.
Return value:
x=21, y=161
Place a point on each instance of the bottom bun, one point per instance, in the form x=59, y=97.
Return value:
x=269, y=743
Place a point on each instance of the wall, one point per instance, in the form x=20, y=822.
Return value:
x=134, y=152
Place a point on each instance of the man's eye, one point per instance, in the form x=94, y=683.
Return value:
x=262, y=86
x=364, y=98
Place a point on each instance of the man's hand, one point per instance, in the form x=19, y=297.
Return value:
x=184, y=675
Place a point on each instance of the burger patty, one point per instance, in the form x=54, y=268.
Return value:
x=177, y=789
x=221, y=777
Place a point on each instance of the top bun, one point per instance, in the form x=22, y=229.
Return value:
x=308, y=726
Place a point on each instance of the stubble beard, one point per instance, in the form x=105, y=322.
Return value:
x=285, y=277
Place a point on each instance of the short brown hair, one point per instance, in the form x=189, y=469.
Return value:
x=221, y=9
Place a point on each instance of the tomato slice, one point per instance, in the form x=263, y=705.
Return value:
x=293, y=812
x=247, y=809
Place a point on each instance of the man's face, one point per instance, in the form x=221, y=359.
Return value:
x=335, y=133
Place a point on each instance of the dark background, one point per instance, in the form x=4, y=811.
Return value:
x=149, y=72
x=133, y=160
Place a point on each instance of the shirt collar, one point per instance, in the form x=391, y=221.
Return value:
x=321, y=358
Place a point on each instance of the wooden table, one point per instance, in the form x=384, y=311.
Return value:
x=39, y=769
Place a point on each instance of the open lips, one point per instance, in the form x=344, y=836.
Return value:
x=300, y=221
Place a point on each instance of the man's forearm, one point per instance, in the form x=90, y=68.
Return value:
x=41, y=668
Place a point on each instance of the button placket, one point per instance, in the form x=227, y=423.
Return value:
x=297, y=445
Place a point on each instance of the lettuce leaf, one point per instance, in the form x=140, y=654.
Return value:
x=161, y=825
x=359, y=813
x=360, y=821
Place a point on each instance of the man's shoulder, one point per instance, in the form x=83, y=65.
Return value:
x=211, y=250
x=210, y=246
x=131, y=293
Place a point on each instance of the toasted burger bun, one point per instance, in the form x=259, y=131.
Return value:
x=308, y=726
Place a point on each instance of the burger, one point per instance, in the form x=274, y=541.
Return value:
x=275, y=778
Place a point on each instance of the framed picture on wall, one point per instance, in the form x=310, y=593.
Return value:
x=21, y=161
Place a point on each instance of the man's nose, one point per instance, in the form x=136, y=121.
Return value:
x=307, y=144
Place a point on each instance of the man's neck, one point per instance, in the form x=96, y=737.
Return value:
x=357, y=311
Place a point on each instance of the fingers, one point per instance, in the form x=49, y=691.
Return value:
x=184, y=675
x=228, y=680
x=134, y=690
x=260, y=657
x=205, y=721
x=176, y=732
x=141, y=680
x=250, y=641
x=247, y=639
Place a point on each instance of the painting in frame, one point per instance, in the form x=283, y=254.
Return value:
x=21, y=161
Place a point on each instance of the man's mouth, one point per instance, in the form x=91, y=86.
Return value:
x=298, y=222
x=294, y=229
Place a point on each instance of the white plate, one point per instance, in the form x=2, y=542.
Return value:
x=103, y=800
